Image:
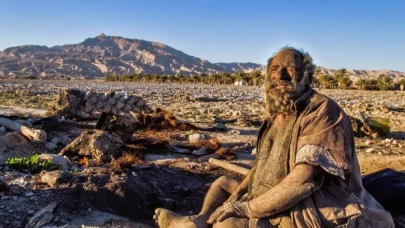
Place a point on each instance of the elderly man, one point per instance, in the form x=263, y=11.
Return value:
x=306, y=172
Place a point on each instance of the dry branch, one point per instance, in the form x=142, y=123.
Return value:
x=32, y=134
x=229, y=166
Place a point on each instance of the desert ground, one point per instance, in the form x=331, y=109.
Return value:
x=111, y=195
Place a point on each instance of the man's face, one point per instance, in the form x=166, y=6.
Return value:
x=285, y=72
x=282, y=82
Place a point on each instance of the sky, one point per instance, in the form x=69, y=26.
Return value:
x=352, y=34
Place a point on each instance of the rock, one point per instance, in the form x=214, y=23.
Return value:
x=3, y=185
x=23, y=123
x=369, y=150
x=368, y=142
x=98, y=144
x=195, y=138
x=29, y=194
x=56, y=177
x=42, y=217
x=51, y=146
x=66, y=140
x=200, y=152
x=254, y=151
x=2, y=130
x=62, y=162
x=55, y=141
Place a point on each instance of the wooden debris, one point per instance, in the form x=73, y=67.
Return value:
x=32, y=134
x=229, y=166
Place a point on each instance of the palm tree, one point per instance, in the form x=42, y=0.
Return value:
x=341, y=73
x=385, y=82
x=361, y=83
x=318, y=72
x=225, y=78
x=255, y=76
x=402, y=83
x=327, y=81
x=344, y=82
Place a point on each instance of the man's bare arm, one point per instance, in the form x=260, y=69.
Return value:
x=303, y=180
x=299, y=184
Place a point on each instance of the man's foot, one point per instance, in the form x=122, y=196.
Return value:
x=168, y=219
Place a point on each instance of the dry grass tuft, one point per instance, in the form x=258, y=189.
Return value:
x=226, y=153
x=127, y=161
x=210, y=145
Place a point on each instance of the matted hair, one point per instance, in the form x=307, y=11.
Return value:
x=307, y=63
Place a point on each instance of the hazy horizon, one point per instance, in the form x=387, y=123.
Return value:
x=361, y=35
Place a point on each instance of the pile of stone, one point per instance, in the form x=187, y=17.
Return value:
x=73, y=103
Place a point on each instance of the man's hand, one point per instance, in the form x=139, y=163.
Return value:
x=234, y=197
x=227, y=210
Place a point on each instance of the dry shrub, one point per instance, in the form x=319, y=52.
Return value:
x=226, y=153
x=160, y=119
x=210, y=145
x=127, y=161
x=84, y=161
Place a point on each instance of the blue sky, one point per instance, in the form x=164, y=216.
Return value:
x=355, y=34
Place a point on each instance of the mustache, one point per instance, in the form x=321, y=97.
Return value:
x=273, y=84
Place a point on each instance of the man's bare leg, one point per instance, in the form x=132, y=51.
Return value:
x=218, y=193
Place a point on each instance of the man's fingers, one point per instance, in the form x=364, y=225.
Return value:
x=224, y=216
x=214, y=216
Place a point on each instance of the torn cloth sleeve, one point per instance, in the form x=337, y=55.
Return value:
x=325, y=139
x=318, y=156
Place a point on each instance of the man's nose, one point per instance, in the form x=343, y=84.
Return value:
x=282, y=74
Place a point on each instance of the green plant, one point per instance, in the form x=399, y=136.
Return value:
x=30, y=164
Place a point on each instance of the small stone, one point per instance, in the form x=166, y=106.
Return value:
x=194, y=138
x=394, y=142
x=66, y=140
x=51, y=146
x=55, y=141
x=56, y=177
x=31, y=212
x=29, y=194
x=62, y=162
x=368, y=142
x=254, y=151
x=200, y=152
x=5, y=197
x=3, y=185
x=369, y=150
x=120, y=105
x=2, y=130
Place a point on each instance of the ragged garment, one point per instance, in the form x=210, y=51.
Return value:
x=317, y=133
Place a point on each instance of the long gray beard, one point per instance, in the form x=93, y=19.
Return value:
x=277, y=102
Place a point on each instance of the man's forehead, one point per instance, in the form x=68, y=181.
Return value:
x=287, y=57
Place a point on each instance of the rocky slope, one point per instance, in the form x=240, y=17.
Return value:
x=95, y=57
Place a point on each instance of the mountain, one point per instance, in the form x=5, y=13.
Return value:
x=101, y=55
x=95, y=57
x=367, y=74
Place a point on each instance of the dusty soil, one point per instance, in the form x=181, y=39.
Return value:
x=103, y=195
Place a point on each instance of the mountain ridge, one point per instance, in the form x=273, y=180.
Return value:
x=97, y=56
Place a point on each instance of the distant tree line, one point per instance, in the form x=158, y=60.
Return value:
x=253, y=78
x=339, y=80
